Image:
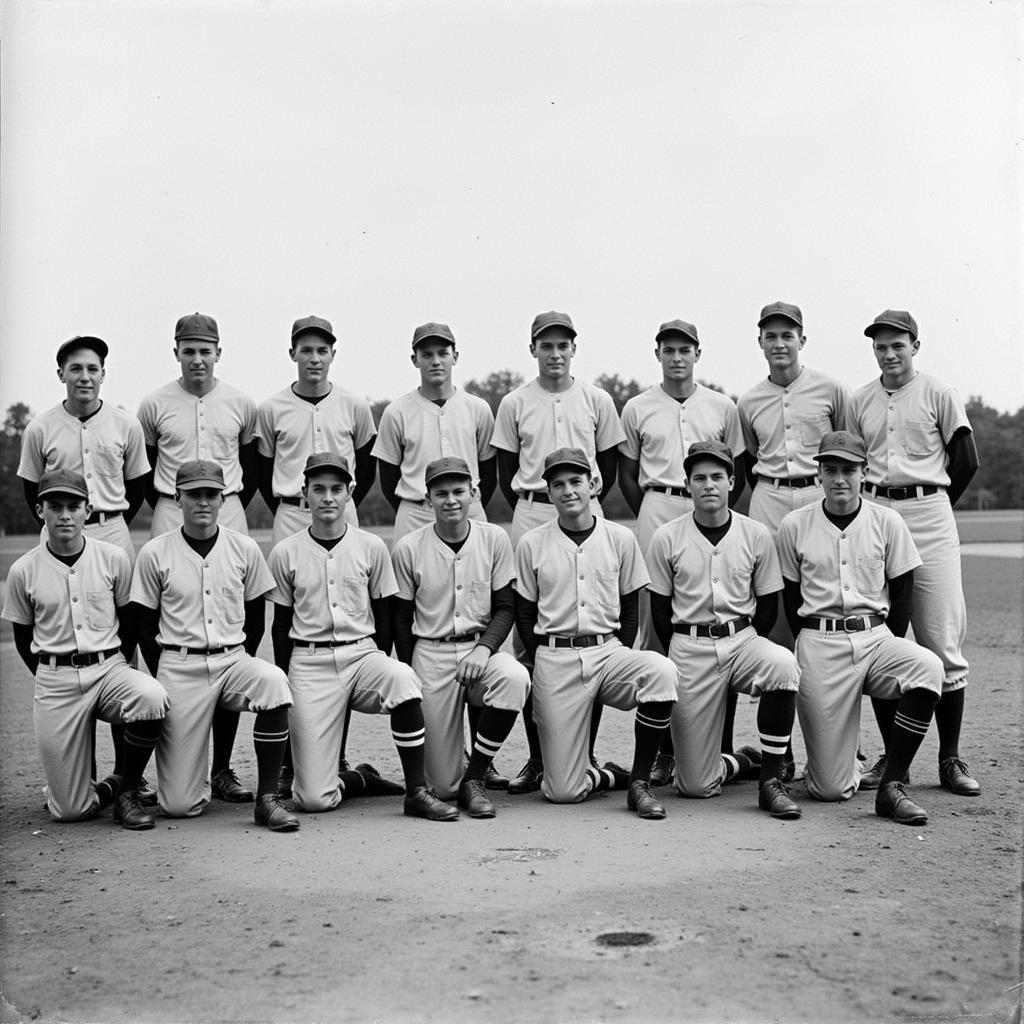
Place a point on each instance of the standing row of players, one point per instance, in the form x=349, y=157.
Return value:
x=920, y=457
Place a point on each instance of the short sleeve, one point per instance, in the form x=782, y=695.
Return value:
x=258, y=579
x=265, y=436
x=952, y=414
x=363, y=430
x=248, y=413
x=841, y=405
x=503, y=571
x=484, y=431
x=767, y=571
x=147, y=417
x=506, y=434
x=633, y=573
x=733, y=431
x=630, y=445
x=389, y=439
x=17, y=606
x=284, y=582
x=785, y=546
x=749, y=436
x=31, y=464
x=526, y=577
x=382, y=576
x=659, y=564
x=609, y=430
x=401, y=563
x=122, y=578
x=136, y=463
x=147, y=585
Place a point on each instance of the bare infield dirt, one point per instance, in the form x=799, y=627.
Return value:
x=368, y=916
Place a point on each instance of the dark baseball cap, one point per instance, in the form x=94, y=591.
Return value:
x=687, y=330
x=426, y=331
x=446, y=467
x=544, y=321
x=199, y=473
x=784, y=309
x=566, y=458
x=196, y=327
x=715, y=450
x=97, y=345
x=313, y=325
x=63, y=481
x=323, y=462
x=842, y=445
x=898, y=318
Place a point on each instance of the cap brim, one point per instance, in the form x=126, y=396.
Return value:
x=97, y=345
x=317, y=470
x=66, y=491
x=662, y=335
x=451, y=474
x=692, y=460
x=323, y=332
x=785, y=316
x=841, y=456
x=550, y=327
x=195, y=485
x=872, y=329
x=552, y=470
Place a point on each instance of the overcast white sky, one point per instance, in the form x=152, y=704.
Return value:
x=383, y=164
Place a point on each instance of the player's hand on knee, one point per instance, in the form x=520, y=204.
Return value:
x=472, y=666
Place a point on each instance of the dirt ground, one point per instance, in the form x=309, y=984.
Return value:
x=365, y=915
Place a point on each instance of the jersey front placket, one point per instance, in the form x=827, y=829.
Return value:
x=791, y=428
x=88, y=446
x=850, y=600
x=444, y=437
x=75, y=582
x=717, y=568
x=318, y=431
x=202, y=434
x=586, y=593
x=462, y=619
x=333, y=582
x=211, y=612
x=891, y=439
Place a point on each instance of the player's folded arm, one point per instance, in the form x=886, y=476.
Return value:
x=629, y=617
x=488, y=479
x=661, y=617
x=402, y=613
x=147, y=625
x=383, y=609
x=901, y=602
x=280, y=636
x=791, y=601
x=508, y=466
x=365, y=470
x=255, y=623
x=766, y=611
x=390, y=475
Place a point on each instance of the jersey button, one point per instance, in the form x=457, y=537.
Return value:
x=458, y=586
x=74, y=600
x=210, y=621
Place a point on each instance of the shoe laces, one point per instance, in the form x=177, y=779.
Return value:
x=954, y=764
x=130, y=801
x=227, y=775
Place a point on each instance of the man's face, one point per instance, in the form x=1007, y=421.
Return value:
x=82, y=374
x=709, y=483
x=312, y=354
x=781, y=340
x=841, y=482
x=64, y=516
x=450, y=498
x=197, y=359
x=434, y=358
x=553, y=351
x=677, y=356
x=894, y=352
x=327, y=494
x=200, y=507
x=570, y=490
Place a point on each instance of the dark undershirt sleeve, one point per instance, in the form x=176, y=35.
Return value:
x=608, y=467
x=23, y=645
x=508, y=466
x=526, y=619
x=128, y=630
x=629, y=617
x=403, y=612
x=901, y=600
x=366, y=471
x=254, y=625
x=389, y=477
x=135, y=495
x=503, y=614
x=266, y=482
x=279, y=630
x=791, y=601
x=31, y=490
x=661, y=618
x=739, y=478
x=488, y=479
x=384, y=625
x=963, y=463
x=766, y=612
x=147, y=622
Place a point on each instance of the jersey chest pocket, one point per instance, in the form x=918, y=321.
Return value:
x=108, y=459
x=812, y=430
x=232, y=604
x=99, y=609
x=480, y=599
x=606, y=587
x=869, y=574
x=355, y=595
x=920, y=438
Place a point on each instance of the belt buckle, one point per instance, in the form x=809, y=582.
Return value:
x=75, y=663
x=719, y=631
x=582, y=642
x=853, y=618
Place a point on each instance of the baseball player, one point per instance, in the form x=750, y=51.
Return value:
x=921, y=458
x=578, y=583
x=453, y=610
x=660, y=424
x=554, y=410
x=333, y=585
x=434, y=421
x=848, y=570
x=715, y=586
x=66, y=599
x=311, y=415
x=198, y=416
x=200, y=594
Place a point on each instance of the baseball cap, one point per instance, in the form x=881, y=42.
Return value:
x=315, y=325
x=97, y=345
x=841, y=444
x=446, y=467
x=566, y=458
x=196, y=327
x=199, y=473
x=63, y=481
x=715, y=450
x=678, y=327
x=785, y=309
x=440, y=331
x=545, y=321
x=898, y=318
x=320, y=461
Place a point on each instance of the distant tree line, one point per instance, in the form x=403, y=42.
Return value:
x=999, y=436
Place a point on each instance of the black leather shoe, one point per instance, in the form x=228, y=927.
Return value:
x=642, y=800
x=376, y=784
x=285, y=781
x=663, y=770
x=750, y=764
x=107, y=789
x=425, y=803
x=529, y=778
x=225, y=786
x=891, y=801
x=271, y=813
x=493, y=779
x=773, y=797
x=618, y=773
x=473, y=799
x=129, y=812
x=957, y=778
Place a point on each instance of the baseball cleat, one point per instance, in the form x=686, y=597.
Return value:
x=270, y=812
x=107, y=790
x=147, y=794
x=773, y=797
x=891, y=801
x=872, y=778
x=129, y=812
x=285, y=781
x=225, y=786
x=529, y=778
x=750, y=763
x=376, y=784
x=425, y=803
x=955, y=776
x=620, y=777
x=493, y=779
x=663, y=770
x=473, y=799
x=641, y=799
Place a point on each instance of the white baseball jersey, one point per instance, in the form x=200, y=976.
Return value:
x=713, y=583
x=70, y=608
x=290, y=429
x=844, y=572
x=906, y=433
x=414, y=431
x=107, y=449
x=659, y=431
x=577, y=588
x=182, y=427
x=452, y=590
x=201, y=600
x=330, y=591
x=783, y=426
x=534, y=422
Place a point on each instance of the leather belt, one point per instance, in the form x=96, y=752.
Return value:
x=587, y=640
x=788, y=481
x=536, y=496
x=321, y=644
x=101, y=517
x=77, y=660
x=174, y=649
x=902, y=493
x=676, y=492
x=461, y=638
x=716, y=630
x=851, y=624
x=290, y=499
